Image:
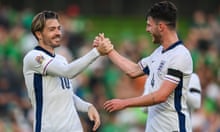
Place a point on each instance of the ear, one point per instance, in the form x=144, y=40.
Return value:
x=39, y=35
x=162, y=26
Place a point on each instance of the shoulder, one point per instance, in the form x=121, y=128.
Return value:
x=60, y=58
x=183, y=50
x=155, y=53
x=31, y=55
x=35, y=54
x=36, y=57
x=181, y=59
x=180, y=53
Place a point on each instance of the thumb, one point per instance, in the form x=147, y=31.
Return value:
x=102, y=36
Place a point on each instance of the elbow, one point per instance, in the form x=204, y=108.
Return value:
x=133, y=72
x=131, y=75
x=161, y=99
x=158, y=97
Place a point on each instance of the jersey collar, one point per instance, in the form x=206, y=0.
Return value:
x=172, y=46
x=42, y=49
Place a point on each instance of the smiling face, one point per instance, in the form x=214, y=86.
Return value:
x=153, y=28
x=51, y=34
x=161, y=19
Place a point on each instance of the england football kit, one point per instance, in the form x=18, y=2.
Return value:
x=194, y=93
x=174, y=65
x=50, y=91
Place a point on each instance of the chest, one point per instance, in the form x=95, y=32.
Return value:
x=57, y=86
x=159, y=64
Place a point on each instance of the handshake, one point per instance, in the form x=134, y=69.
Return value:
x=102, y=44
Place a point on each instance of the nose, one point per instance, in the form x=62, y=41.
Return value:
x=147, y=29
x=58, y=31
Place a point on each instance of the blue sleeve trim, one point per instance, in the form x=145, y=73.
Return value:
x=146, y=70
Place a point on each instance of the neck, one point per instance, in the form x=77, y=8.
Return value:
x=47, y=48
x=169, y=39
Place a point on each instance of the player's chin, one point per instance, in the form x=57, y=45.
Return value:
x=56, y=44
x=153, y=40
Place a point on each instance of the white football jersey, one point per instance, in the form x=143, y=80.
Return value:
x=175, y=65
x=194, y=93
x=51, y=95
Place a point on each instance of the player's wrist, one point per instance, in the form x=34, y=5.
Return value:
x=95, y=50
x=110, y=49
x=90, y=107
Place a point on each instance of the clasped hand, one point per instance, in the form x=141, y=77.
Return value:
x=102, y=44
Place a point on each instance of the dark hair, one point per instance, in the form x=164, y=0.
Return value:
x=39, y=21
x=164, y=11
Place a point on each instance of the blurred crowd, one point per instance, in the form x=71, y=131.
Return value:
x=102, y=80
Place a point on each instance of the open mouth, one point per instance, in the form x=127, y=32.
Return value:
x=57, y=39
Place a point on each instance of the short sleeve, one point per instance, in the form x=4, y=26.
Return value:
x=179, y=65
x=144, y=63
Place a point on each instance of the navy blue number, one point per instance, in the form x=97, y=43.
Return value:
x=65, y=83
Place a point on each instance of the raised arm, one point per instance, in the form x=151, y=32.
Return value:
x=74, y=68
x=130, y=68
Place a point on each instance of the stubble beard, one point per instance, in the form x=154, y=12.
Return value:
x=156, y=39
x=54, y=43
x=51, y=43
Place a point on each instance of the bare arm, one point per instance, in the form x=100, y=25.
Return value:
x=130, y=68
x=156, y=97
